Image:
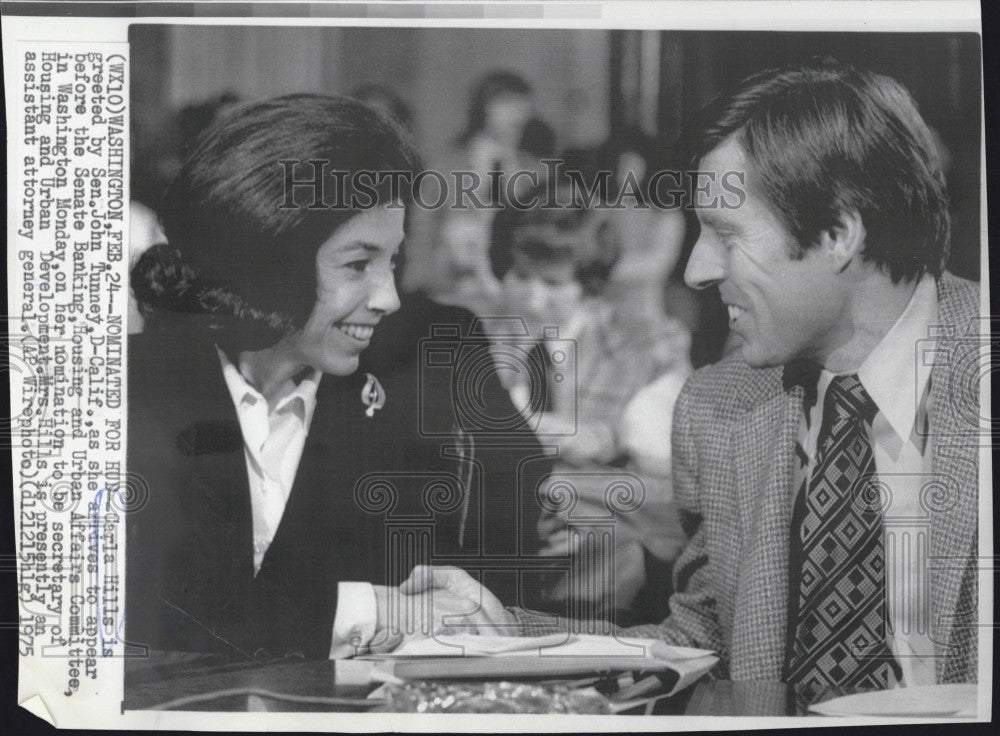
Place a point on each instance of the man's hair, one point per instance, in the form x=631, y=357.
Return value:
x=827, y=138
x=534, y=232
x=238, y=255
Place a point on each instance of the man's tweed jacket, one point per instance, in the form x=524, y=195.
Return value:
x=735, y=430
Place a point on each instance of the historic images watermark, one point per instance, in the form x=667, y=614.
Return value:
x=313, y=184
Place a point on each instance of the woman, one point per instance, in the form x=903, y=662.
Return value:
x=499, y=111
x=651, y=236
x=247, y=544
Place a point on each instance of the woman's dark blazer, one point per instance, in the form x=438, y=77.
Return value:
x=190, y=579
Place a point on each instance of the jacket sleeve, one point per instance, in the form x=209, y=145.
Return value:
x=693, y=618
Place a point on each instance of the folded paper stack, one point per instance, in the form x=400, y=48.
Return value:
x=552, y=657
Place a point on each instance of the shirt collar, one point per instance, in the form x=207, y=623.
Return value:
x=892, y=374
x=297, y=395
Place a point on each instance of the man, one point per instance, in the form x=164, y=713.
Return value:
x=830, y=469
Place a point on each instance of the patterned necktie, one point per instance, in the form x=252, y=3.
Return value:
x=840, y=623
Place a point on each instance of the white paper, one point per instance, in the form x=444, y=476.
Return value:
x=689, y=663
x=958, y=701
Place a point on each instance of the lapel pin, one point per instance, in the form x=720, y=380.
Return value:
x=372, y=395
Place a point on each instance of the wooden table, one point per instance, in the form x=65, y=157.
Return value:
x=181, y=680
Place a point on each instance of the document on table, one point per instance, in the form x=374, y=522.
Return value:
x=556, y=655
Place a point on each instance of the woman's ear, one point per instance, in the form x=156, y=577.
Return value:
x=844, y=241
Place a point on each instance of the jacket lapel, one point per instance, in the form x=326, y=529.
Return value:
x=764, y=451
x=321, y=504
x=953, y=500
x=211, y=443
x=763, y=445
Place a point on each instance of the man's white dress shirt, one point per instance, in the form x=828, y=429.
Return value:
x=898, y=382
x=273, y=439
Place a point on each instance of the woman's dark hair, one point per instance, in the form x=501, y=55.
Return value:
x=488, y=88
x=196, y=118
x=529, y=232
x=826, y=138
x=385, y=98
x=243, y=230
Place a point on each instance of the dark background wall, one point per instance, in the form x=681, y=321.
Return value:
x=941, y=71
x=588, y=83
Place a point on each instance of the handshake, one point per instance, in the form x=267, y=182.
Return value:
x=437, y=600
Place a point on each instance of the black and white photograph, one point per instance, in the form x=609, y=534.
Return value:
x=617, y=371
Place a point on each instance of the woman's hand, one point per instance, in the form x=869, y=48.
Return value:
x=436, y=600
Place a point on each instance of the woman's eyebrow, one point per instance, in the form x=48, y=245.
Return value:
x=367, y=247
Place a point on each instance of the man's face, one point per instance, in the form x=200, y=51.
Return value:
x=781, y=305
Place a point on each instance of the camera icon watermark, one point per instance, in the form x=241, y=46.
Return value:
x=585, y=523
x=498, y=354
x=964, y=356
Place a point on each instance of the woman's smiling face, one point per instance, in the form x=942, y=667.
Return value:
x=355, y=288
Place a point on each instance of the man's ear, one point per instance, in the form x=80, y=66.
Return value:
x=844, y=241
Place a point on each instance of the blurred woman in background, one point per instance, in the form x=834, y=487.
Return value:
x=585, y=359
x=500, y=109
x=651, y=237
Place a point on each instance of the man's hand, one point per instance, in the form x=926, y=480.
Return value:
x=455, y=602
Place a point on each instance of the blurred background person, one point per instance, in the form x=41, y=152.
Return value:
x=554, y=265
x=499, y=111
x=387, y=101
x=500, y=513
x=539, y=143
x=651, y=237
x=151, y=170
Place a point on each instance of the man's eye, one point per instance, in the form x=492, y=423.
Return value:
x=358, y=266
